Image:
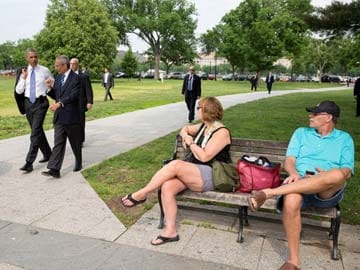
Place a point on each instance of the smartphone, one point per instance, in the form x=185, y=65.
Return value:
x=310, y=173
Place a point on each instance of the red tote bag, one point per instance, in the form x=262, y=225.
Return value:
x=256, y=177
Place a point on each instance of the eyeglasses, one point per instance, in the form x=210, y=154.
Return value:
x=198, y=107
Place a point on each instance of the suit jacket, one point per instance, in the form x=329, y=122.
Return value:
x=357, y=88
x=196, y=86
x=271, y=79
x=19, y=98
x=68, y=95
x=110, y=81
x=86, y=91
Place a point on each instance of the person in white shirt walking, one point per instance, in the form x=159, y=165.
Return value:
x=31, y=83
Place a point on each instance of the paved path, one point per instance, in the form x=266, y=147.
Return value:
x=32, y=205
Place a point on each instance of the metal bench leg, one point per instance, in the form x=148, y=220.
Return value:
x=161, y=223
x=242, y=216
x=246, y=215
x=334, y=233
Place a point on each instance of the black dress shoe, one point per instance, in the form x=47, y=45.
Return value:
x=28, y=167
x=77, y=168
x=44, y=159
x=51, y=172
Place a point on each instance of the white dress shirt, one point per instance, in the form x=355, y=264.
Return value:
x=106, y=75
x=41, y=74
x=66, y=75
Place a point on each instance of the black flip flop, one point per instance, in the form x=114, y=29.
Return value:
x=165, y=240
x=131, y=199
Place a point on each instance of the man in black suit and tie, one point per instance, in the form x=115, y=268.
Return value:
x=191, y=89
x=30, y=93
x=269, y=81
x=86, y=95
x=108, y=83
x=65, y=91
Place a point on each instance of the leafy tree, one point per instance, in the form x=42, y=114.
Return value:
x=12, y=54
x=210, y=43
x=129, y=63
x=78, y=28
x=258, y=32
x=160, y=23
x=319, y=53
x=6, y=50
x=336, y=19
x=177, y=53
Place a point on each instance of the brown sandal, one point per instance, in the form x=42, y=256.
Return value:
x=259, y=197
x=289, y=266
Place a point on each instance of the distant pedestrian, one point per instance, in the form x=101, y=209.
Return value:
x=348, y=81
x=31, y=87
x=161, y=77
x=254, y=82
x=86, y=95
x=357, y=96
x=269, y=81
x=108, y=83
x=191, y=89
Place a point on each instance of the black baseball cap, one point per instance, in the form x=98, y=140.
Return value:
x=327, y=106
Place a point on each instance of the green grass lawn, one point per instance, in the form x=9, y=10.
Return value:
x=274, y=119
x=129, y=95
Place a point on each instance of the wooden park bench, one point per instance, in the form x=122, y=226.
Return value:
x=274, y=151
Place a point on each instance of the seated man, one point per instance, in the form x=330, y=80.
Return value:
x=319, y=160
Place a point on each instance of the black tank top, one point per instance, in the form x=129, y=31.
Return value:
x=223, y=155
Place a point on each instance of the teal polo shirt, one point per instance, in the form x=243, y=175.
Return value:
x=335, y=150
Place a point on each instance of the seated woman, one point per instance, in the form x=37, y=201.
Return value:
x=206, y=141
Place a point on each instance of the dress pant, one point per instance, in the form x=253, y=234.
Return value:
x=269, y=86
x=35, y=114
x=82, y=125
x=358, y=105
x=107, y=92
x=190, y=99
x=62, y=132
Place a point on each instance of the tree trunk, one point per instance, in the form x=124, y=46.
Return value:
x=157, y=65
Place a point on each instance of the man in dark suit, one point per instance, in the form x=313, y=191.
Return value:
x=108, y=83
x=269, y=81
x=191, y=89
x=30, y=94
x=357, y=96
x=65, y=91
x=86, y=95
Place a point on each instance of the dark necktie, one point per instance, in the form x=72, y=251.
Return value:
x=62, y=80
x=32, y=96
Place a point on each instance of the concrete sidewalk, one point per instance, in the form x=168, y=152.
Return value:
x=68, y=208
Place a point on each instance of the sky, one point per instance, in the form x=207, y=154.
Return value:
x=23, y=19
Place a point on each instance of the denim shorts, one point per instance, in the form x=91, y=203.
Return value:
x=206, y=175
x=315, y=201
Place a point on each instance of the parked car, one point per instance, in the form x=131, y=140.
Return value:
x=203, y=75
x=121, y=75
x=242, y=77
x=330, y=79
x=284, y=78
x=315, y=79
x=211, y=76
x=302, y=78
x=175, y=75
x=230, y=77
